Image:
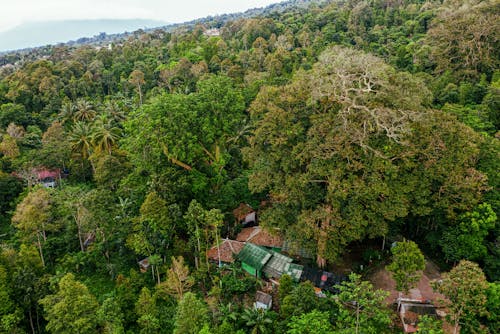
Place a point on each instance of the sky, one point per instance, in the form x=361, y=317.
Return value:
x=14, y=13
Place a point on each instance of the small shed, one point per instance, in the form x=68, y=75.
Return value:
x=245, y=215
x=253, y=258
x=144, y=265
x=263, y=301
x=410, y=310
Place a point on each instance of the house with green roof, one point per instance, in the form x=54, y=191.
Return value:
x=253, y=258
x=257, y=260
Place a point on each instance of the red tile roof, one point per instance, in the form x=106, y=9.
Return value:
x=226, y=249
x=260, y=237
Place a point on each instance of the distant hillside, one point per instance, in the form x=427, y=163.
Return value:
x=42, y=33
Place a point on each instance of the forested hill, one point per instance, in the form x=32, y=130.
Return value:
x=347, y=125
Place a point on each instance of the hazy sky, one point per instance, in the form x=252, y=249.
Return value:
x=13, y=13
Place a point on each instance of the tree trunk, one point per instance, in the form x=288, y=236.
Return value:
x=322, y=240
x=31, y=321
x=39, y=244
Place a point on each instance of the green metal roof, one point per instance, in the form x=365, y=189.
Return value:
x=254, y=255
x=294, y=270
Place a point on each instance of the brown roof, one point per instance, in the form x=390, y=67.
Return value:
x=260, y=237
x=242, y=211
x=227, y=248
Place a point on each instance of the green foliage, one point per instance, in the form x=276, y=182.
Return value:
x=285, y=287
x=71, y=309
x=407, y=265
x=301, y=300
x=466, y=287
x=191, y=316
x=429, y=325
x=346, y=120
x=258, y=320
x=361, y=307
x=467, y=239
x=314, y=322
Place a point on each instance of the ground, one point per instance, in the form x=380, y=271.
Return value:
x=382, y=279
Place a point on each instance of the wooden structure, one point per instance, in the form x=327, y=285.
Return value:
x=410, y=310
x=263, y=301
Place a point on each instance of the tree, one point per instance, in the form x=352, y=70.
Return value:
x=191, y=315
x=9, y=147
x=147, y=311
x=361, y=308
x=465, y=287
x=314, y=322
x=467, y=239
x=110, y=316
x=301, y=300
x=105, y=135
x=32, y=218
x=80, y=139
x=56, y=149
x=493, y=307
x=327, y=145
x=203, y=226
x=136, y=78
x=285, y=287
x=256, y=319
x=178, y=279
x=84, y=111
x=154, y=229
x=462, y=36
x=71, y=309
x=429, y=325
x=407, y=265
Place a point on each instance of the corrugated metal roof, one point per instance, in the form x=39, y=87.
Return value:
x=254, y=255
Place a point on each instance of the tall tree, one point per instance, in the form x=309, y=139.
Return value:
x=361, y=308
x=32, y=218
x=191, y=315
x=71, y=309
x=326, y=147
x=407, y=265
x=465, y=286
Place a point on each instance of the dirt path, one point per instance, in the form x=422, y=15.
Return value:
x=382, y=279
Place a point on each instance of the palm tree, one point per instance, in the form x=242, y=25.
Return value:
x=114, y=111
x=81, y=139
x=257, y=319
x=84, y=111
x=104, y=135
x=67, y=112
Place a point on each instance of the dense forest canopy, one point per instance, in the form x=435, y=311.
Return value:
x=346, y=123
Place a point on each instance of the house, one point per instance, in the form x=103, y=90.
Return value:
x=253, y=258
x=260, y=237
x=280, y=264
x=226, y=251
x=144, y=265
x=258, y=260
x=47, y=177
x=410, y=310
x=245, y=215
x=263, y=301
